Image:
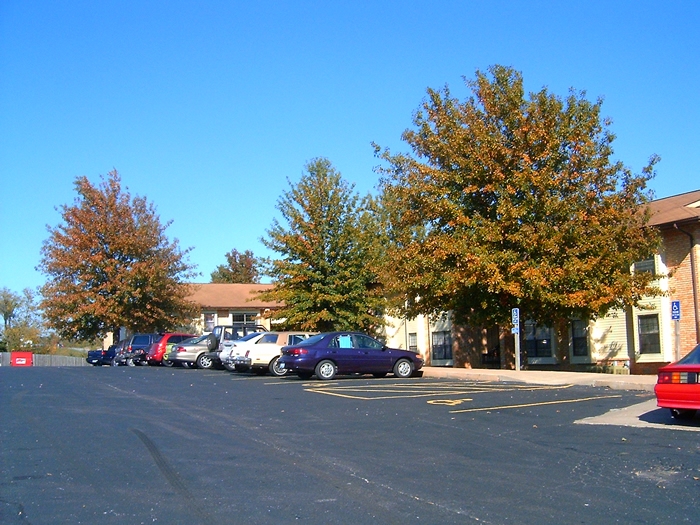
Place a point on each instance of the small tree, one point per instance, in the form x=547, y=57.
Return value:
x=22, y=326
x=240, y=268
x=110, y=265
x=514, y=201
x=9, y=304
x=324, y=276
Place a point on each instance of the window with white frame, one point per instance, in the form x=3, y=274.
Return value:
x=649, y=337
x=442, y=345
x=244, y=317
x=209, y=322
x=538, y=340
x=647, y=265
x=413, y=342
x=579, y=338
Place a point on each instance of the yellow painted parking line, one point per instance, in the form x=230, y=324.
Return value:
x=373, y=392
x=541, y=403
x=398, y=395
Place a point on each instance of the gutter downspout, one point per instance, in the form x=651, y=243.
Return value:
x=694, y=282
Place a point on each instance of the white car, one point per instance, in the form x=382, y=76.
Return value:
x=261, y=354
x=231, y=349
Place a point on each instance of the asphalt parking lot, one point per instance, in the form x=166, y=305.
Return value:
x=149, y=445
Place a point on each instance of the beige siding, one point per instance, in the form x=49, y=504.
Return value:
x=608, y=338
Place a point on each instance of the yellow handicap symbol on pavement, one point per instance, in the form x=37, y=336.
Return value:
x=448, y=402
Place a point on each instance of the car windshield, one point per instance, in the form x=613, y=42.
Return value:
x=693, y=358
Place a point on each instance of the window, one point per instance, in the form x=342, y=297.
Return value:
x=341, y=341
x=268, y=339
x=579, y=338
x=244, y=318
x=442, y=345
x=413, y=342
x=538, y=340
x=647, y=265
x=363, y=341
x=296, y=339
x=649, y=340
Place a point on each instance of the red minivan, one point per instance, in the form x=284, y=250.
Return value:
x=163, y=345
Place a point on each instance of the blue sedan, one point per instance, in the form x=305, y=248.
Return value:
x=329, y=354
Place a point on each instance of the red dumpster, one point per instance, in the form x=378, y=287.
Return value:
x=21, y=359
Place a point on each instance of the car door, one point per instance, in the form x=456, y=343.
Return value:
x=342, y=351
x=373, y=356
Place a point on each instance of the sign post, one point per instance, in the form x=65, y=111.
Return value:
x=676, y=317
x=515, y=330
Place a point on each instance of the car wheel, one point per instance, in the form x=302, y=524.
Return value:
x=212, y=342
x=326, y=370
x=230, y=368
x=205, y=362
x=678, y=413
x=275, y=369
x=403, y=368
x=113, y=362
x=130, y=362
x=167, y=362
x=304, y=375
x=379, y=374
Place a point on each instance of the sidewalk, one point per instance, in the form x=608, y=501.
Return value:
x=613, y=381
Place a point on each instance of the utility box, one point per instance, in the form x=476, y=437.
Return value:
x=21, y=359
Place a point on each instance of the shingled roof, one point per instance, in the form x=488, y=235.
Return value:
x=227, y=295
x=677, y=209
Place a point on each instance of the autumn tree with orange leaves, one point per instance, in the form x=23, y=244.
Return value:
x=110, y=265
x=513, y=200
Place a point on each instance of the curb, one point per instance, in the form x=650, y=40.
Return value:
x=614, y=382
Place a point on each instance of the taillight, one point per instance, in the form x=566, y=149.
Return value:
x=247, y=353
x=677, y=378
x=179, y=349
x=297, y=351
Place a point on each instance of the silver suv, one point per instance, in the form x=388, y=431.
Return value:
x=203, y=351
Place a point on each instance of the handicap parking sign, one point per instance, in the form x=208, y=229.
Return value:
x=675, y=310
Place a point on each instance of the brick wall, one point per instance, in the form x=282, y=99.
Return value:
x=676, y=253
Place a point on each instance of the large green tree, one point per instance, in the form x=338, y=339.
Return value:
x=514, y=200
x=110, y=265
x=239, y=268
x=327, y=240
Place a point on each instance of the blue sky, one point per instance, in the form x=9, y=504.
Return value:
x=208, y=108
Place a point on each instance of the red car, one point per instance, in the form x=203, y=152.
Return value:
x=158, y=349
x=678, y=386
